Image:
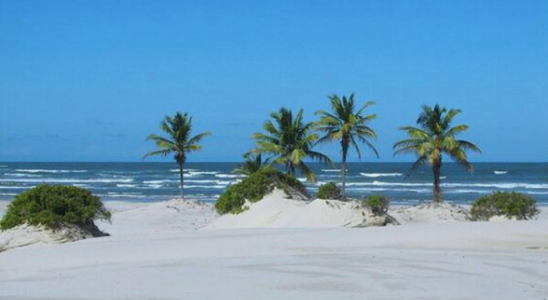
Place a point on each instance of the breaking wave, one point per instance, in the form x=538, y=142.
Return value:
x=377, y=175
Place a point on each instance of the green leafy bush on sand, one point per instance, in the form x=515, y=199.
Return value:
x=378, y=204
x=255, y=187
x=510, y=205
x=329, y=191
x=53, y=206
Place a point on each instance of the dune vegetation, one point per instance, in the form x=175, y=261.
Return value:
x=54, y=206
x=256, y=186
x=509, y=205
x=330, y=191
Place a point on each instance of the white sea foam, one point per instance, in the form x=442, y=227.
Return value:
x=198, y=173
x=370, y=189
x=500, y=172
x=229, y=176
x=50, y=171
x=205, y=186
x=81, y=185
x=118, y=174
x=452, y=185
x=3, y=187
x=126, y=185
x=155, y=186
x=387, y=184
x=500, y=185
x=536, y=193
x=467, y=191
x=331, y=170
x=218, y=182
x=333, y=176
x=124, y=195
x=195, y=172
x=22, y=175
x=378, y=189
x=160, y=181
x=184, y=170
x=66, y=180
x=377, y=175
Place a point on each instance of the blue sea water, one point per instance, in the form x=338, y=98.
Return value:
x=150, y=182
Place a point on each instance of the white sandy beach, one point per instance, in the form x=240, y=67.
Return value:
x=164, y=251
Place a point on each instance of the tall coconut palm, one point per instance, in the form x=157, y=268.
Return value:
x=252, y=164
x=348, y=126
x=289, y=141
x=178, y=142
x=432, y=139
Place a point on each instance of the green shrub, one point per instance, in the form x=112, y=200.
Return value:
x=53, y=206
x=329, y=191
x=255, y=187
x=378, y=204
x=511, y=205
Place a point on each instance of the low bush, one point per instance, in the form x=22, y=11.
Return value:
x=53, y=206
x=329, y=191
x=255, y=187
x=378, y=204
x=510, y=205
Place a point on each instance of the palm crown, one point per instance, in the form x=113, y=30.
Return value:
x=252, y=164
x=433, y=138
x=348, y=126
x=178, y=142
x=289, y=141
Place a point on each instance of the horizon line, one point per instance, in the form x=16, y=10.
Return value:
x=166, y=162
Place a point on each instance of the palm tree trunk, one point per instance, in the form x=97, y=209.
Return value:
x=182, y=179
x=344, y=143
x=343, y=173
x=292, y=169
x=436, y=168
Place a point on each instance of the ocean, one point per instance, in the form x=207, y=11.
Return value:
x=149, y=182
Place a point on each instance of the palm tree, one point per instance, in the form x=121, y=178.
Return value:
x=252, y=164
x=346, y=125
x=179, y=142
x=289, y=141
x=434, y=137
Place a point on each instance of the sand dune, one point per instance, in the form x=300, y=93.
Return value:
x=275, y=211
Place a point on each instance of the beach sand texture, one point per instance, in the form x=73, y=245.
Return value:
x=163, y=251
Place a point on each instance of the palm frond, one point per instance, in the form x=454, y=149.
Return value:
x=287, y=139
x=466, y=145
x=177, y=142
x=197, y=138
x=456, y=130
x=436, y=137
x=345, y=123
x=419, y=162
x=308, y=173
x=164, y=152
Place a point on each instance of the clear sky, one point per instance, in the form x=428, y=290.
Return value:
x=89, y=80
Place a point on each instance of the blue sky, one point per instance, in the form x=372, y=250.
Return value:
x=89, y=80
